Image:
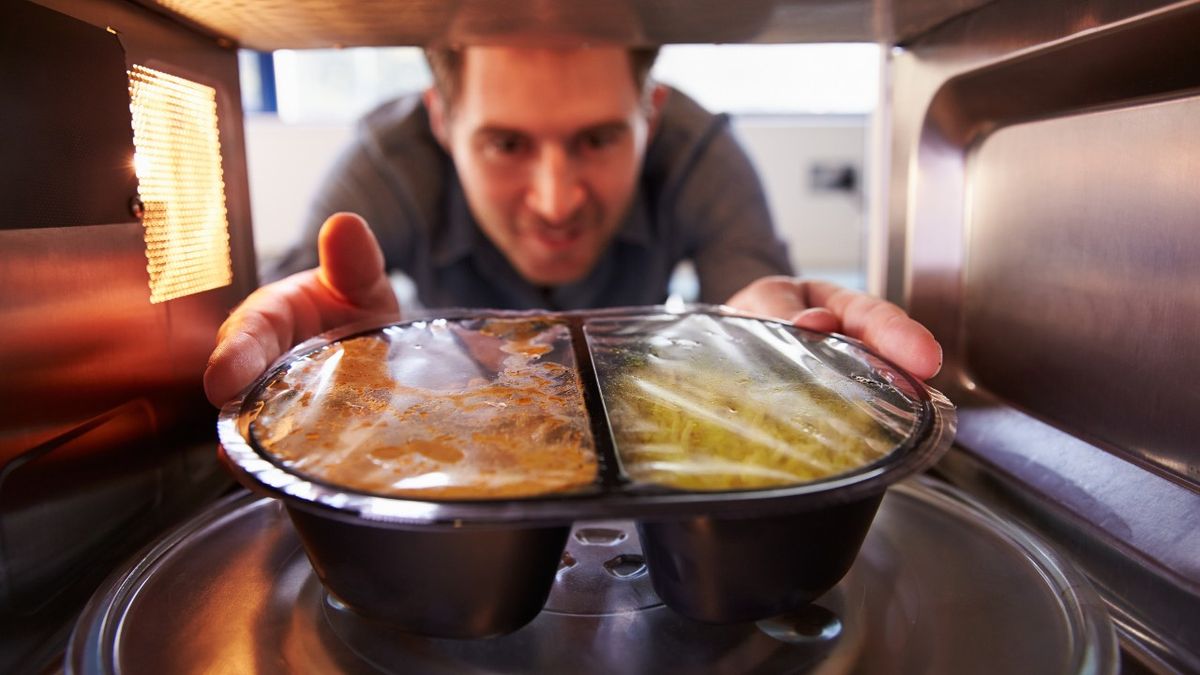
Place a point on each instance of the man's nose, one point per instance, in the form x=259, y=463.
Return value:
x=556, y=191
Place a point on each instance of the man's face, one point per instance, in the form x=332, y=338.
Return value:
x=548, y=145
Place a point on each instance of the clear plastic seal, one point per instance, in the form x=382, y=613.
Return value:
x=751, y=454
x=708, y=402
x=466, y=409
x=507, y=417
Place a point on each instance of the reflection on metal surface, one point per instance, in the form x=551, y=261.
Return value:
x=1082, y=288
x=105, y=435
x=275, y=24
x=181, y=184
x=65, y=115
x=587, y=587
x=80, y=336
x=75, y=506
x=1044, y=192
x=811, y=624
x=995, y=601
x=1025, y=475
x=33, y=561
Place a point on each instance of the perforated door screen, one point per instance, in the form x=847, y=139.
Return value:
x=180, y=182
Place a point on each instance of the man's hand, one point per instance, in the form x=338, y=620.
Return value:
x=349, y=285
x=826, y=307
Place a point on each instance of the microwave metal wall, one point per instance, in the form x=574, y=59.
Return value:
x=1034, y=204
x=105, y=434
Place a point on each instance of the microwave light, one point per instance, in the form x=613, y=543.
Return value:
x=181, y=185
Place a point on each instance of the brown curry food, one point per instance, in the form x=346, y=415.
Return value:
x=340, y=416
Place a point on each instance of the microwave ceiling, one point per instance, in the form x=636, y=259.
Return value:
x=314, y=24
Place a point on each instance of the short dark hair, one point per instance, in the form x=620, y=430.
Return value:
x=445, y=63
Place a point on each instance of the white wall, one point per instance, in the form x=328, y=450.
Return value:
x=285, y=163
x=824, y=230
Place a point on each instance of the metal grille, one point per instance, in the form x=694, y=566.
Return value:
x=178, y=164
x=274, y=24
x=300, y=24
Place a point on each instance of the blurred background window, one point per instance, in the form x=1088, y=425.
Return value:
x=775, y=79
x=324, y=85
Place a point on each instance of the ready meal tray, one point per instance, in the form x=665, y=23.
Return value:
x=417, y=454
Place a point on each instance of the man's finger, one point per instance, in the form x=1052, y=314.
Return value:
x=350, y=285
x=235, y=363
x=908, y=343
x=817, y=318
x=352, y=264
x=827, y=307
x=777, y=296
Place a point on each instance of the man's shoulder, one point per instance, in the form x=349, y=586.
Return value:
x=682, y=113
x=685, y=132
x=397, y=125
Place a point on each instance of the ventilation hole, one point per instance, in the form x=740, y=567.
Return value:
x=626, y=566
x=600, y=536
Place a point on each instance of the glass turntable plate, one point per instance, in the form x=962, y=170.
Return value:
x=940, y=586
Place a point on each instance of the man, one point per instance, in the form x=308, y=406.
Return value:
x=542, y=178
x=552, y=178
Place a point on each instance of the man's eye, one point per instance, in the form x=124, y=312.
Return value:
x=506, y=145
x=598, y=140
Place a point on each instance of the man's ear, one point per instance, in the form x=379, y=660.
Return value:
x=655, y=101
x=437, y=115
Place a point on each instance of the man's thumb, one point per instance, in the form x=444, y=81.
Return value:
x=352, y=264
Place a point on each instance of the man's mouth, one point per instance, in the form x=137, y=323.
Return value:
x=560, y=237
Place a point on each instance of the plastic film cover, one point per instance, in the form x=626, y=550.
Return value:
x=707, y=402
x=470, y=409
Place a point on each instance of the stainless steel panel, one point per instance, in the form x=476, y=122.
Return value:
x=1138, y=543
x=1042, y=223
x=68, y=156
x=81, y=336
x=1082, y=288
x=941, y=587
x=276, y=24
x=1009, y=61
x=105, y=437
